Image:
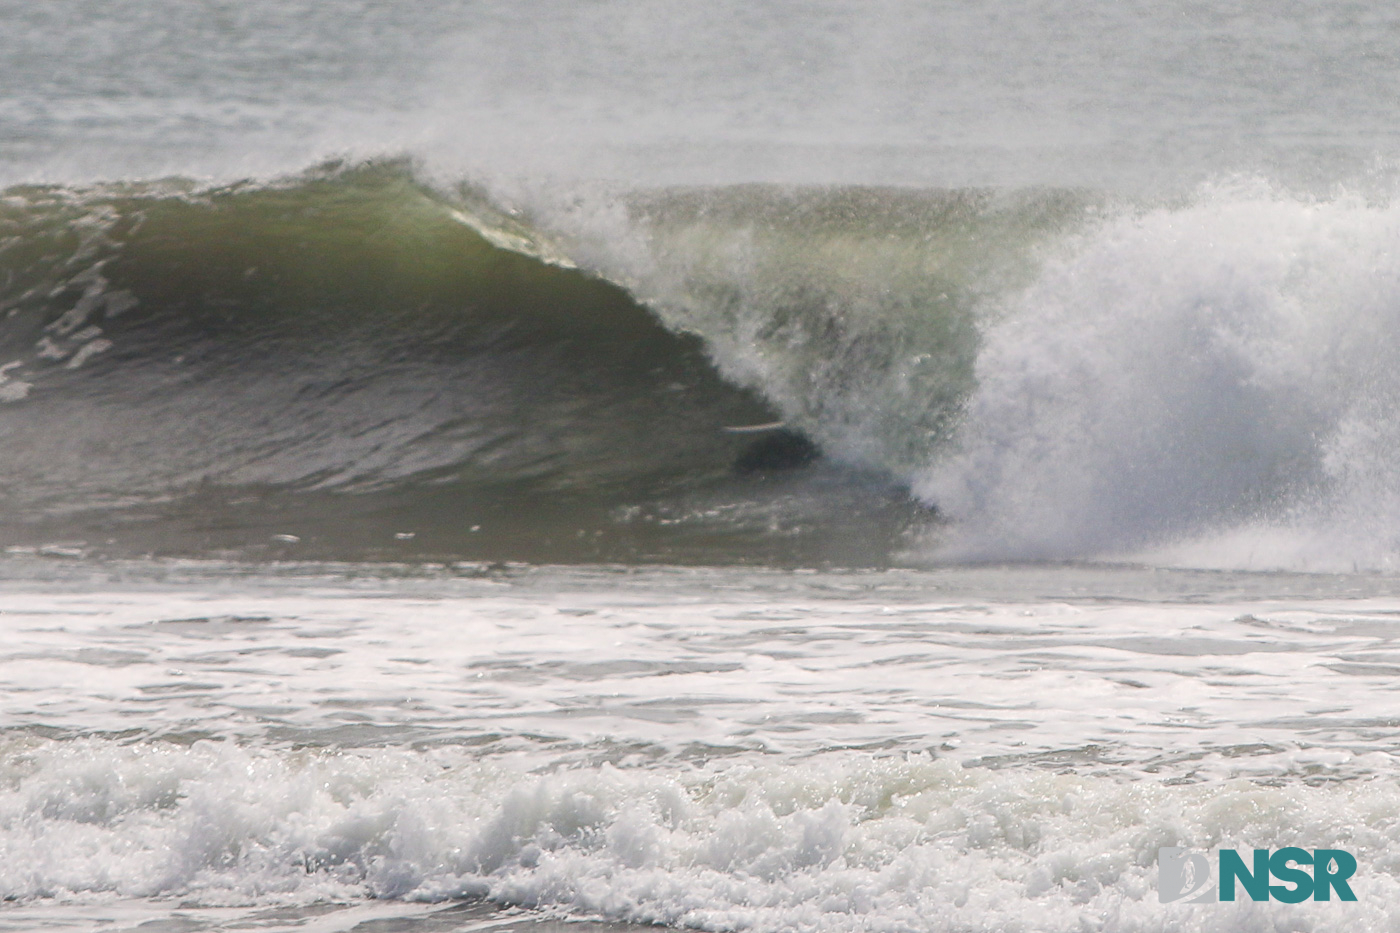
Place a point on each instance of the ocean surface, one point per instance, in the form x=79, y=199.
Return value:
x=757, y=467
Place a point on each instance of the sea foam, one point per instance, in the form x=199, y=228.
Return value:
x=1186, y=374
x=837, y=843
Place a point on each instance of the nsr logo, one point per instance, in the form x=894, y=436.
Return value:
x=1182, y=874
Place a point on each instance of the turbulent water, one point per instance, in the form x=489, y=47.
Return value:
x=201, y=369
x=880, y=467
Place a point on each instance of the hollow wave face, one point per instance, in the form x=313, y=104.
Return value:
x=1210, y=383
x=855, y=311
x=354, y=363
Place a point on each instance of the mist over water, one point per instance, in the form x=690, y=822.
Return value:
x=941, y=95
x=1133, y=95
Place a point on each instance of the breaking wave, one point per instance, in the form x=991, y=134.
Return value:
x=838, y=843
x=357, y=362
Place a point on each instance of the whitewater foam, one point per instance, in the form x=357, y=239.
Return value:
x=846, y=843
x=1188, y=372
x=709, y=748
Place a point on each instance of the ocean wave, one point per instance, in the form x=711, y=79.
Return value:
x=356, y=361
x=844, y=842
x=361, y=355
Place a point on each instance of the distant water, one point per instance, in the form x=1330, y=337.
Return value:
x=883, y=466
